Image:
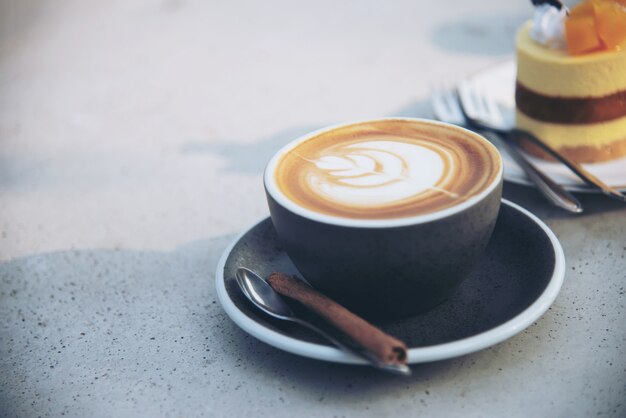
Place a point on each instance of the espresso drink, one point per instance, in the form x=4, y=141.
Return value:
x=386, y=169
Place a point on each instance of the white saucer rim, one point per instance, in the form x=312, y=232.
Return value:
x=443, y=351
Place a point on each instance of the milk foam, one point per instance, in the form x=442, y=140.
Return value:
x=375, y=173
x=383, y=169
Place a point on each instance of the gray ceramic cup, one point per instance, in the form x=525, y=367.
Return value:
x=385, y=268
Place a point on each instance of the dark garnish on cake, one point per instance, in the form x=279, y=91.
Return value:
x=553, y=3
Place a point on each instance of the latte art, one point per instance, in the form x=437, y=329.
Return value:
x=386, y=169
x=374, y=173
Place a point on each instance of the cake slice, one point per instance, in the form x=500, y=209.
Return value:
x=574, y=98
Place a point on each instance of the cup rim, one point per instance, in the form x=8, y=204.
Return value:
x=272, y=188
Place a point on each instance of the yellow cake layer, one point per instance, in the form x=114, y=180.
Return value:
x=558, y=135
x=556, y=73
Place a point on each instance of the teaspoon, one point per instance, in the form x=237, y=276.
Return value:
x=261, y=294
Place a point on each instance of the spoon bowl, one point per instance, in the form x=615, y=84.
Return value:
x=262, y=295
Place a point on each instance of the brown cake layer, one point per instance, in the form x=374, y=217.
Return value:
x=570, y=110
x=583, y=153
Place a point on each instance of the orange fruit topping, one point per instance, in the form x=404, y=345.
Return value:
x=582, y=9
x=581, y=35
x=611, y=23
x=596, y=25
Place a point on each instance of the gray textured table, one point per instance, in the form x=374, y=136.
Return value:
x=132, y=139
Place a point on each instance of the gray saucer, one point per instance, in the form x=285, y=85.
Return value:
x=514, y=283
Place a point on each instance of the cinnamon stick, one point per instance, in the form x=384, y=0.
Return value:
x=386, y=348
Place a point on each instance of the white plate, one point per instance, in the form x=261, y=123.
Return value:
x=499, y=82
x=514, y=283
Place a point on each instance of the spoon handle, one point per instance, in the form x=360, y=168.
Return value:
x=552, y=191
x=371, y=342
x=400, y=369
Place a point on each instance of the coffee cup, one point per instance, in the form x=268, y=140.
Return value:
x=385, y=216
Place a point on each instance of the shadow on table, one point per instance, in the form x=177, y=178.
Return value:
x=250, y=157
x=492, y=34
x=247, y=157
x=147, y=325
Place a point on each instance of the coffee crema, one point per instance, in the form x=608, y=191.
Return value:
x=386, y=169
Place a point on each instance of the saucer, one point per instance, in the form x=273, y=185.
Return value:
x=513, y=284
x=498, y=81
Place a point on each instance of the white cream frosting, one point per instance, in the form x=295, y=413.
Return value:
x=548, y=27
x=376, y=173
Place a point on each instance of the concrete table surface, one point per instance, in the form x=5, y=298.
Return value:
x=132, y=140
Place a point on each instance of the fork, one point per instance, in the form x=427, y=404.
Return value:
x=482, y=112
x=446, y=108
